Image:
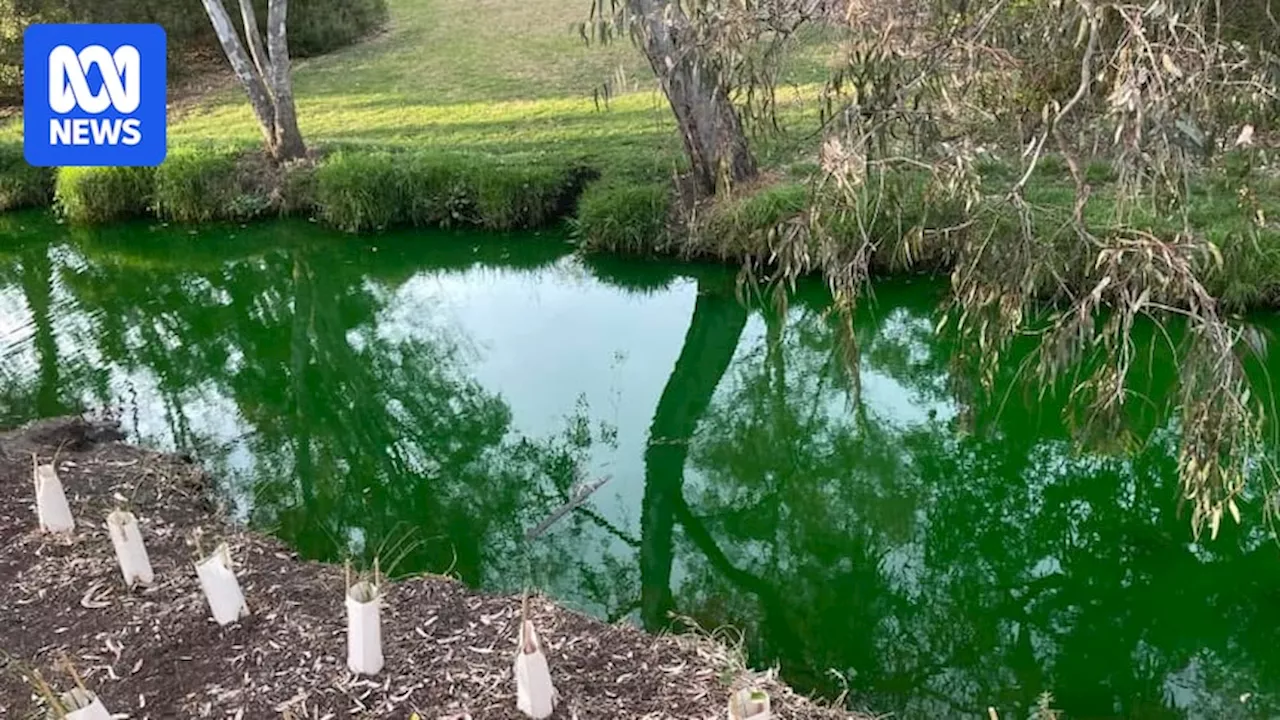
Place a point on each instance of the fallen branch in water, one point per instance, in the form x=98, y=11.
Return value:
x=577, y=497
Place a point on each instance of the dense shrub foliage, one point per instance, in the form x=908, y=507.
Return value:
x=357, y=190
x=624, y=217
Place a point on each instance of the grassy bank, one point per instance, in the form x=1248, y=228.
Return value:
x=454, y=115
x=21, y=185
x=361, y=188
x=353, y=189
x=913, y=231
x=494, y=79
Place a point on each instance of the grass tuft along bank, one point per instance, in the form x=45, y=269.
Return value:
x=357, y=190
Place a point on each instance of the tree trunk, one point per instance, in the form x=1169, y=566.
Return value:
x=709, y=124
x=243, y=67
x=709, y=345
x=289, y=144
x=265, y=79
x=714, y=331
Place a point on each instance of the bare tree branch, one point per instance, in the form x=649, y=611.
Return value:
x=250, y=22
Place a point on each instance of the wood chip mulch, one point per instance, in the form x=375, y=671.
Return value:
x=157, y=653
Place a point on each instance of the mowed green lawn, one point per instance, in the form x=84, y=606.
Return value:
x=487, y=76
x=463, y=75
x=467, y=76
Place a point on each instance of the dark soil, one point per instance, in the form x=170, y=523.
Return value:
x=156, y=652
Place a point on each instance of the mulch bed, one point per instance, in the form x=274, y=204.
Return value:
x=157, y=653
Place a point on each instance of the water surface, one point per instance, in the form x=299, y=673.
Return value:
x=429, y=397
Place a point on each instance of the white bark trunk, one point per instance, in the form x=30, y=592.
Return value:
x=288, y=138
x=265, y=76
x=709, y=124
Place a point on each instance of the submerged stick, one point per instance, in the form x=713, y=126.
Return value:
x=536, y=695
x=580, y=494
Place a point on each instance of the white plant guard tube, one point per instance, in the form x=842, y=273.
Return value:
x=221, y=589
x=130, y=551
x=535, y=695
x=51, y=501
x=364, y=628
x=749, y=704
x=84, y=705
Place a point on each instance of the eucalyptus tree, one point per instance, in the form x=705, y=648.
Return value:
x=263, y=72
x=717, y=62
x=709, y=123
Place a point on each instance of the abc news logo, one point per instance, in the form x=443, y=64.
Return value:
x=94, y=95
x=69, y=89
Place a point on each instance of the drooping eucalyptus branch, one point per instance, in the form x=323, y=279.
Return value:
x=1137, y=85
x=1150, y=76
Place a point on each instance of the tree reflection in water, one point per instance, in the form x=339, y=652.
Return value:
x=935, y=553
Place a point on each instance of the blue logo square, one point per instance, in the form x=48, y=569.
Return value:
x=94, y=95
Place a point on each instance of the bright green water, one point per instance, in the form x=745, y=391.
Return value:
x=433, y=395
